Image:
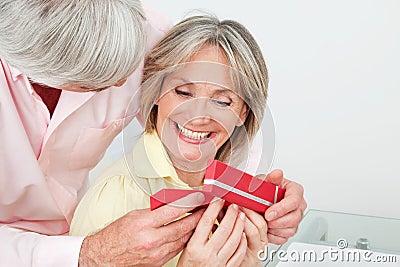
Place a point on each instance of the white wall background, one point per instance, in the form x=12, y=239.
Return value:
x=334, y=93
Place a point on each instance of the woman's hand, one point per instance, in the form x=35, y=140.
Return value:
x=256, y=229
x=226, y=246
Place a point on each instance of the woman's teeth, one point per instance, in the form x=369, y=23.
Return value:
x=193, y=135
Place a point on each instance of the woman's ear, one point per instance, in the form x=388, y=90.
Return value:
x=242, y=116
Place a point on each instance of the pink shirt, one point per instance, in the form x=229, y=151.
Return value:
x=44, y=162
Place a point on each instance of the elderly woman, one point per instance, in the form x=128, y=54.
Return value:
x=56, y=58
x=203, y=95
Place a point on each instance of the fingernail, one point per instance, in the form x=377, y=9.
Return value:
x=217, y=199
x=271, y=216
x=191, y=200
x=242, y=216
x=200, y=197
x=235, y=207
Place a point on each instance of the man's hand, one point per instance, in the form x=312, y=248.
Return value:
x=284, y=217
x=143, y=237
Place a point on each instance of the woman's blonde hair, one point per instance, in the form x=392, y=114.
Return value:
x=87, y=43
x=244, y=57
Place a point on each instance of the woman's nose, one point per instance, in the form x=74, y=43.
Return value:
x=198, y=110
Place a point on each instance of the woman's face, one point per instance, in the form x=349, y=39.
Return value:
x=197, y=111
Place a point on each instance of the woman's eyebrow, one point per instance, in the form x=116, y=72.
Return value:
x=220, y=89
x=223, y=90
x=180, y=80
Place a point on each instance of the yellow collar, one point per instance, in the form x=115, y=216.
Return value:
x=150, y=160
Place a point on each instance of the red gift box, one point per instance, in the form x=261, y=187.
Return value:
x=230, y=184
x=168, y=195
x=241, y=188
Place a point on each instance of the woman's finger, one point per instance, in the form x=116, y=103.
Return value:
x=239, y=254
x=234, y=239
x=225, y=228
x=259, y=222
x=205, y=225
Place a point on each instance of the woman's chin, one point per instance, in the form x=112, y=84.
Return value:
x=197, y=153
x=192, y=156
x=192, y=161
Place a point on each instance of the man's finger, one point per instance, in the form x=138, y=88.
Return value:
x=292, y=200
x=291, y=219
x=280, y=209
x=275, y=177
x=179, y=229
x=285, y=233
x=277, y=240
x=170, y=250
x=176, y=209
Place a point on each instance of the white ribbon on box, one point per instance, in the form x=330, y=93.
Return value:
x=240, y=192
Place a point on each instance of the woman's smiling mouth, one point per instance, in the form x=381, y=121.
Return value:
x=194, y=137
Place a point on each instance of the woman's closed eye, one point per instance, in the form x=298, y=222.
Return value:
x=221, y=102
x=183, y=92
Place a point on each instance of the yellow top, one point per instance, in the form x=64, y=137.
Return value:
x=126, y=186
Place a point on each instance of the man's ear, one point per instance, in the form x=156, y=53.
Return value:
x=120, y=83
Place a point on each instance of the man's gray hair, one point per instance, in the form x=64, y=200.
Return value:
x=86, y=43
